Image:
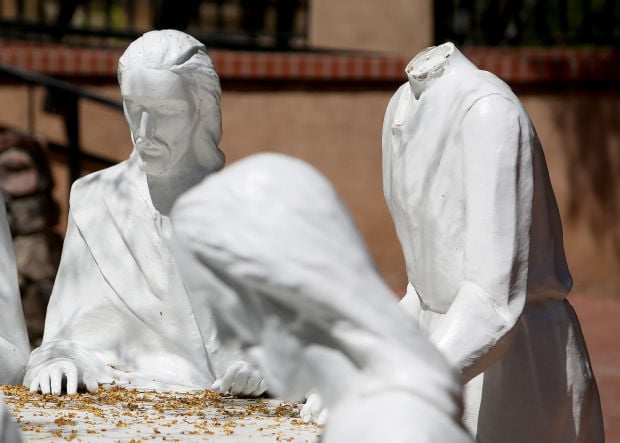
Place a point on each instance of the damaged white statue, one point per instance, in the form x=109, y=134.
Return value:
x=119, y=311
x=295, y=285
x=467, y=185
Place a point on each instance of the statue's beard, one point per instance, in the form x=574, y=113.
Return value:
x=153, y=157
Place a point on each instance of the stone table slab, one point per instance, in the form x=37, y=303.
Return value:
x=126, y=415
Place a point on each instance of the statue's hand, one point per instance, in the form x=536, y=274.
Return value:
x=241, y=378
x=51, y=377
x=313, y=411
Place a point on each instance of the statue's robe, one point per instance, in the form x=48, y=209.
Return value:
x=467, y=185
x=14, y=345
x=119, y=308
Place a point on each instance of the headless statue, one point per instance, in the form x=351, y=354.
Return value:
x=467, y=185
x=290, y=279
x=119, y=311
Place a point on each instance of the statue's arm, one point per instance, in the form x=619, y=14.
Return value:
x=386, y=143
x=410, y=303
x=74, y=319
x=477, y=329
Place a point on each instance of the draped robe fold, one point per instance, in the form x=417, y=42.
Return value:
x=119, y=307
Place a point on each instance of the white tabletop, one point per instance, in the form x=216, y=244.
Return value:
x=119, y=414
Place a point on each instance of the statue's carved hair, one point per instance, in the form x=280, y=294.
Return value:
x=185, y=56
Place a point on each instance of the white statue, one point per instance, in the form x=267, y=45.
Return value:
x=14, y=344
x=8, y=428
x=466, y=183
x=291, y=280
x=119, y=311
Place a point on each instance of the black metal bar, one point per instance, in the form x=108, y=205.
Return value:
x=219, y=14
x=107, y=7
x=40, y=11
x=20, y=9
x=610, y=23
x=72, y=129
x=563, y=20
x=64, y=18
x=585, y=30
x=31, y=121
x=50, y=82
x=130, y=12
x=443, y=12
x=88, y=13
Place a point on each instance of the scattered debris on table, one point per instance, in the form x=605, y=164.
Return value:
x=131, y=415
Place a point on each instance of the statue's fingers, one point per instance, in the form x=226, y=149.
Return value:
x=240, y=383
x=56, y=374
x=44, y=381
x=217, y=385
x=34, y=384
x=314, y=401
x=262, y=387
x=305, y=414
x=72, y=380
x=312, y=407
x=252, y=384
x=227, y=380
x=90, y=382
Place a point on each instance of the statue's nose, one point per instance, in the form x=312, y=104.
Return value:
x=143, y=129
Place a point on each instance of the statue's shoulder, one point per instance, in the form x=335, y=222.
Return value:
x=398, y=93
x=92, y=187
x=490, y=84
x=393, y=104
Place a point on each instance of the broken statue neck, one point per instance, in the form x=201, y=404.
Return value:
x=433, y=63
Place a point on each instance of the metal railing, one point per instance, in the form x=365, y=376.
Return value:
x=63, y=99
x=247, y=24
x=528, y=22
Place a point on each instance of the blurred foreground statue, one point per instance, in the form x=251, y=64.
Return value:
x=293, y=283
x=8, y=428
x=14, y=347
x=119, y=311
x=467, y=185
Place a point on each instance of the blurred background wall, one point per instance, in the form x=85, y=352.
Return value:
x=399, y=26
x=316, y=86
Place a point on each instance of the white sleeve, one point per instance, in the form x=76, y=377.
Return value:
x=386, y=143
x=476, y=330
x=410, y=303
